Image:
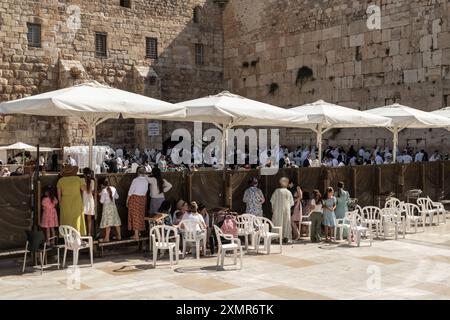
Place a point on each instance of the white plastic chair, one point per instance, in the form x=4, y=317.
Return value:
x=389, y=225
x=426, y=208
x=222, y=249
x=306, y=221
x=192, y=233
x=371, y=216
x=439, y=210
x=246, y=228
x=392, y=203
x=161, y=237
x=267, y=231
x=411, y=218
x=357, y=230
x=75, y=242
x=344, y=224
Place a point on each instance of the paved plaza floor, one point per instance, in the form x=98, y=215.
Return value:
x=417, y=267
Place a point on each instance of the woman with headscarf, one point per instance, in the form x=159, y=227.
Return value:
x=254, y=198
x=69, y=189
x=136, y=202
x=282, y=202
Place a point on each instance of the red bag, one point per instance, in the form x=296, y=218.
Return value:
x=229, y=226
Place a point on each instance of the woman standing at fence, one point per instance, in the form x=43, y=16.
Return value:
x=254, y=198
x=158, y=186
x=316, y=216
x=88, y=199
x=342, y=198
x=136, y=202
x=110, y=215
x=329, y=218
x=70, y=201
x=282, y=202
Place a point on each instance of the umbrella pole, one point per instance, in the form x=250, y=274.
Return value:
x=224, y=146
x=395, y=143
x=91, y=138
x=319, y=143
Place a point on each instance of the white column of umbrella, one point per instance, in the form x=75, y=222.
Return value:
x=93, y=104
x=327, y=116
x=404, y=117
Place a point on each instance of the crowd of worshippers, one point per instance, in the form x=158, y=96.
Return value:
x=306, y=156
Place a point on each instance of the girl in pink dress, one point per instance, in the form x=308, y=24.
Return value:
x=49, y=219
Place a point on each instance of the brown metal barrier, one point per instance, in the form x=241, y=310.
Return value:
x=370, y=184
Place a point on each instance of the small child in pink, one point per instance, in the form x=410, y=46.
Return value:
x=49, y=219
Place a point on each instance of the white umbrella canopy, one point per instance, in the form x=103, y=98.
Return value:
x=92, y=99
x=17, y=146
x=227, y=110
x=93, y=103
x=326, y=116
x=404, y=117
x=230, y=110
x=445, y=112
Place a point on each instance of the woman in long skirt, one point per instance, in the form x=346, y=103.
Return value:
x=136, y=202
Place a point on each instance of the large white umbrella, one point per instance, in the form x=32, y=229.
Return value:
x=326, y=116
x=445, y=112
x=17, y=146
x=404, y=117
x=226, y=110
x=93, y=103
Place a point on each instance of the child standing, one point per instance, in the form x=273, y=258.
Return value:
x=88, y=200
x=110, y=215
x=316, y=216
x=329, y=217
x=49, y=219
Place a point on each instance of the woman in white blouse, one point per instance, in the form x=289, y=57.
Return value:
x=136, y=202
x=158, y=186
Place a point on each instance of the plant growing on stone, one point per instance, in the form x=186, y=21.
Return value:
x=304, y=74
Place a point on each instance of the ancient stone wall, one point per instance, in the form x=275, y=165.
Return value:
x=291, y=52
x=67, y=56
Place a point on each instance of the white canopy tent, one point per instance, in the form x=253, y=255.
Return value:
x=404, y=117
x=93, y=103
x=326, y=116
x=25, y=147
x=226, y=111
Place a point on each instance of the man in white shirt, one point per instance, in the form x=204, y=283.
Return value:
x=352, y=161
x=137, y=153
x=407, y=159
x=419, y=156
x=378, y=159
x=361, y=152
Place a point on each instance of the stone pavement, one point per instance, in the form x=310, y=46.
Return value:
x=417, y=267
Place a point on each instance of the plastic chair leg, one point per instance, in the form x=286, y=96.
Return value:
x=171, y=256
x=41, y=257
x=25, y=258
x=155, y=255
x=75, y=257
x=197, y=247
x=184, y=248
x=64, y=258
x=91, y=251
